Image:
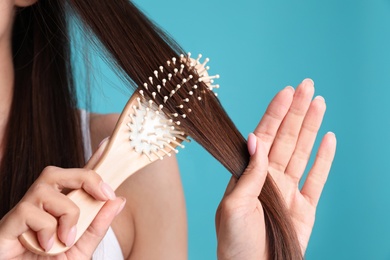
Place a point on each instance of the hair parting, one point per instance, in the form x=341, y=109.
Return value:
x=208, y=124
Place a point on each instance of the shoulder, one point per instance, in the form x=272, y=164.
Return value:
x=101, y=126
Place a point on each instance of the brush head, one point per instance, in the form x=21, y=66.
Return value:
x=151, y=132
x=179, y=84
x=184, y=91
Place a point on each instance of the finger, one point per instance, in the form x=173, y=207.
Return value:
x=273, y=117
x=307, y=137
x=252, y=180
x=25, y=216
x=59, y=206
x=98, y=228
x=86, y=179
x=286, y=138
x=317, y=176
x=96, y=155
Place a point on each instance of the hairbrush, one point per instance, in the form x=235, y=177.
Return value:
x=148, y=129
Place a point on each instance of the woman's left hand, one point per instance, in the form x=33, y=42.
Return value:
x=287, y=132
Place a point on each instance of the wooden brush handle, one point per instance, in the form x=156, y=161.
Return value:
x=120, y=160
x=89, y=208
x=115, y=166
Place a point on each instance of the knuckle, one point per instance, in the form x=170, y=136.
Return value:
x=74, y=211
x=71, y=215
x=48, y=171
x=38, y=190
x=301, y=154
x=23, y=208
x=228, y=205
x=91, y=176
x=51, y=222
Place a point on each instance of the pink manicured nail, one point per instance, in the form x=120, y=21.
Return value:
x=71, y=236
x=122, y=206
x=308, y=81
x=105, y=139
x=108, y=191
x=49, y=244
x=331, y=133
x=320, y=97
x=252, y=143
x=290, y=88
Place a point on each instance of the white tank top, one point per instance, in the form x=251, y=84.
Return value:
x=109, y=248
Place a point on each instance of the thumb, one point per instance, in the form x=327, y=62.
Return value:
x=96, y=156
x=252, y=180
x=97, y=230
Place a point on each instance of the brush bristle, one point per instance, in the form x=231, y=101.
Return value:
x=179, y=83
x=183, y=86
x=151, y=132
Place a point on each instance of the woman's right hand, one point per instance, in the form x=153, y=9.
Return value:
x=44, y=207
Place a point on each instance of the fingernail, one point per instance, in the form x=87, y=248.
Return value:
x=331, y=133
x=105, y=139
x=252, y=143
x=121, y=206
x=107, y=190
x=320, y=97
x=308, y=81
x=71, y=236
x=49, y=244
x=290, y=88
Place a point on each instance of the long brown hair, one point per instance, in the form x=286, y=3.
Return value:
x=43, y=127
x=136, y=46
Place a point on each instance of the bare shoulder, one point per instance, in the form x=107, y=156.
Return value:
x=101, y=126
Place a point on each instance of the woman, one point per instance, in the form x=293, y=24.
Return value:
x=34, y=58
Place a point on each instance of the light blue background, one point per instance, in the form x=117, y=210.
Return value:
x=258, y=47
